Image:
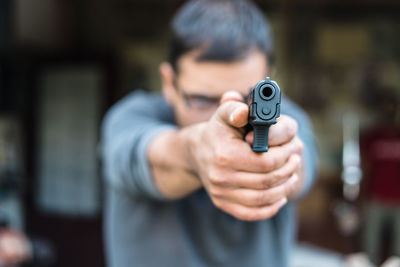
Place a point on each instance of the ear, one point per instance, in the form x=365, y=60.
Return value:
x=167, y=74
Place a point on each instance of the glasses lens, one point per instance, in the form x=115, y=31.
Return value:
x=201, y=102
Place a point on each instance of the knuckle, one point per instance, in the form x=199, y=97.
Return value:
x=260, y=198
x=269, y=163
x=301, y=145
x=289, y=188
x=298, y=163
x=214, y=191
x=272, y=182
x=267, y=182
x=221, y=157
x=280, y=175
x=278, y=192
x=216, y=177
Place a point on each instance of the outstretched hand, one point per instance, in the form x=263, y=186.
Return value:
x=249, y=186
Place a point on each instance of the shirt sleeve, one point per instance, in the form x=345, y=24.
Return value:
x=127, y=131
x=310, y=154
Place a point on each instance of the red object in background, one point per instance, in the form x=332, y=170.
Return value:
x=380, y=148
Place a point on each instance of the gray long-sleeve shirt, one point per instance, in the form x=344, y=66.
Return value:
x=143, y=228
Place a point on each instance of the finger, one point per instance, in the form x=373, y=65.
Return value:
x=250, y=213
x=267, y=180
x=231, y=96
x=249, y=138
x=256, y=198
x=282, y=132
x=277, y=156
x=249, y=161
x=233, y=113
x=283, y=174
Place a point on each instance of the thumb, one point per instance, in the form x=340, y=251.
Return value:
x=233, y=113
x=231, y=96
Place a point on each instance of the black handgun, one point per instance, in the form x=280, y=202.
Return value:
x=264, y=103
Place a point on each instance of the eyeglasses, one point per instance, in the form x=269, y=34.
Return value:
x=201, y=102
x=197, y=101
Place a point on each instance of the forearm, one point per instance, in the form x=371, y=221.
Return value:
x=170, y=164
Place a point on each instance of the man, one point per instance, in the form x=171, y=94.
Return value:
x=184, y=187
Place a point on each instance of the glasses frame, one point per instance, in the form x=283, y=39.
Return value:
x=213, y=101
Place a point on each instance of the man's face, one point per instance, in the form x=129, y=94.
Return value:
x=195, y=91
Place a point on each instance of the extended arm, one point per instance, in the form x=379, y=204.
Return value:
x=149, y=157
x=127, y=131
x=213, y=155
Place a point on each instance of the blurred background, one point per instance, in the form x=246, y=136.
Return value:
x=64, y=63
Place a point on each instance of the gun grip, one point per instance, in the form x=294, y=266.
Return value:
x=260, y=141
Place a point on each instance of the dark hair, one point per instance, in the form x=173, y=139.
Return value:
x=223, y=30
